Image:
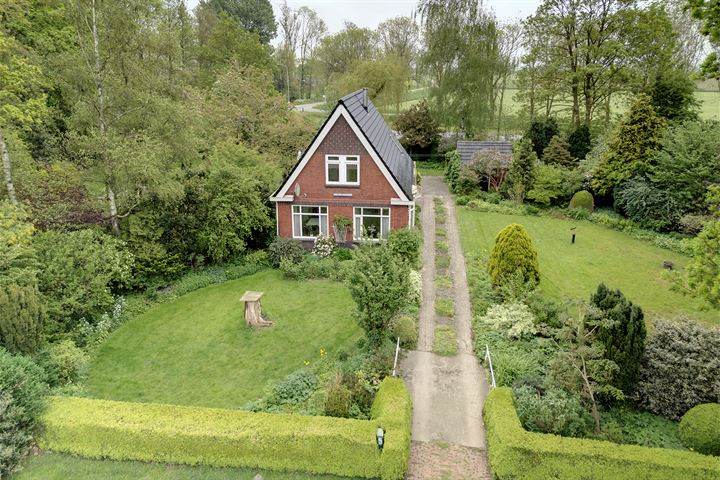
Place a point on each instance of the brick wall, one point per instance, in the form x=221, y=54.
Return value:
x=374, y=189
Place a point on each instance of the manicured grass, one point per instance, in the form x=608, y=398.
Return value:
x=599, y=255
x=197, y=350
x=50, y=466
x=430, y=169
x=445, y=341
x=445, y=307
x=443, y=281
x=442, y=261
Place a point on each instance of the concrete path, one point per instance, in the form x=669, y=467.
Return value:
x=309, y=107
x=447, y=392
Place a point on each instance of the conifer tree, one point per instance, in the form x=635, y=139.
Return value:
x=513, y=252
x=521, y=174
x=557, y=153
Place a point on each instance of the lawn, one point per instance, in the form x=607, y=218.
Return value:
x=60, y=467
x=425, y=168
x=196, y=350
x=599, y=255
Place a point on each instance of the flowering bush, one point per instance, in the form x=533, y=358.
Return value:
x=415, y=293
x=511, y=319
x=324, y=246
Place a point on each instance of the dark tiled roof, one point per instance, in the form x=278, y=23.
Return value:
x=467, y=148
x=382, y=139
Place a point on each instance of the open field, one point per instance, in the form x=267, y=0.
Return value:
x=50, y=466
x=196, y=350
x=599, y=255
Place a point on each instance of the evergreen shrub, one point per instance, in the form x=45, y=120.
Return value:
x=700, y=428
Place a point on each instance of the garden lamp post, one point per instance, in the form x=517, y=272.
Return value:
x=380, y=437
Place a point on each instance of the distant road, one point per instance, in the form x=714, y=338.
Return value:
x=309, y=107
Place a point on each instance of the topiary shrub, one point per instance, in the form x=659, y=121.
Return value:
x=283, y=248
x=700, y=428
x=582, y=200
x=22, y=399
x=513, y=251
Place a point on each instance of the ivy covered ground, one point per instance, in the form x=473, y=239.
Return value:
x=598, y=255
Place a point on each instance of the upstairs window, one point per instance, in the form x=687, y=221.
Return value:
x=309, y=221
x=342, y=170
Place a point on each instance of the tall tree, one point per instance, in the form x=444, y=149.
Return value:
x=312, y=29
x=255, y=16
x=399, y=37
x=337, y=53
x=462, y=58
x=510, y=43
x=289, y=29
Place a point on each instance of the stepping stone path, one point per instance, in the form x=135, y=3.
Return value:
x=448, y=436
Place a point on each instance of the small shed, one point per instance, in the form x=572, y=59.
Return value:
x=468, y=148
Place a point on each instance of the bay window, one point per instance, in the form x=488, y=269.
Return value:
x=309, y=221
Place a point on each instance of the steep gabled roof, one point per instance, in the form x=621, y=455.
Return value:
x=467, y=148
x=380, y=136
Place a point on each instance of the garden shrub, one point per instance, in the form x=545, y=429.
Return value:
x=405, y=244
x=513, y=363
x=515, y=453
x=294, y=388
x=514, y=320
x=557, y=153
x=647, y=205
x=582, y=200
x=324, y=246
x=672, y=242
x=405, y=327
x=338, y=399
x=692, y=224
x=703, y=273
x=64, y=363
x=513, y=251
x=623, y=424
x=22, y=314
x=452, y=168
x=552, y=411
x=22, y=399
x=700, y=428
x=285, y=248
x=343, y=254
x=578, y=213
x=415, y=288
x=231, y=438
x=554, y=183
x=680, y=368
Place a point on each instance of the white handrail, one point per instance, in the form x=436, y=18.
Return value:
x=397, y=350
x=489, y=359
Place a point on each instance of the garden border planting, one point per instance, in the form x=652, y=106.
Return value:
x=228, y=438
x=515, y=453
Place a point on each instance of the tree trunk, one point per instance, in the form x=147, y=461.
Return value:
x=500, y=106
x=112, y=203
x=6, y=169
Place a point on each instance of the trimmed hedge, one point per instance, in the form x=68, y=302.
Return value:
x=515, y=453
x=229, y=438
x=700, y=428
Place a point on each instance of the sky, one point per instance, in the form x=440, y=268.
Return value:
x=369, y=13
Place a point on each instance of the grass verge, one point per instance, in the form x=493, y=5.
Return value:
x=445, y=341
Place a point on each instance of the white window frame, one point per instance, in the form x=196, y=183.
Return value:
x=359, y=213
x=342, y=161
x=322, y=220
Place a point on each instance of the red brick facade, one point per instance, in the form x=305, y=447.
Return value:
x=374, y=189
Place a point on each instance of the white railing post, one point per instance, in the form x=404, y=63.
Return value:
x=489, y=360
x=397, y=350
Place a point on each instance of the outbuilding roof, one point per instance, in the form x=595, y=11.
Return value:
x=382, y=139
x=467, y=148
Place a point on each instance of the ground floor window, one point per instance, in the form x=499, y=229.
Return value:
x=309, y=221
x=373, y=223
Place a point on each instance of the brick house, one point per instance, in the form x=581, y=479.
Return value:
x=354, y=172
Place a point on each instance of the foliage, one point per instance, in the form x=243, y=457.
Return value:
x=324, y=246
x=445, y=307
x=378, y=285
x=673, y=96
x=64, y=363
x=540, y=133
x=554, y=184
x=687, y=163
x=255, y=16
x=521, y=174
x=445, y=341
x=385, y=79
x=516, y=453
x=646, y=205
x=405, y=327
x=283, y=248
x=491, y=165
x=418, y=129
x=704, y=270
x=514, y=320
x=328, y=445
x=513, y=251
x=338, y=398
x=22, y=314
x=557, y=153
x=680, y=368
x=405, y=244
x=624, y=339
x=452, y=169
x=580, y=142
x=632, y=147
x=623, y=424
x=22, y=400
x=17, y=255
x=80, y=270
x=551, y=411
x=582, y=200
x=700, y=428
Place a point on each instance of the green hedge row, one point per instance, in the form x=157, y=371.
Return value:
x=228, y=438
x=515, y=453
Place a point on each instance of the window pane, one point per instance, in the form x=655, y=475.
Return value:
x=297, y=225
x=352, y=159
x=311, y=225
x=371, y=226
x=386, y=211
x=323, y=210
x=309, y=209
x=324, y=224
x=333, y=172
x=371, y=211
x=351, y=173
x=296, y=208
x=333, y=158
x=357, y=229
x=385, y=227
